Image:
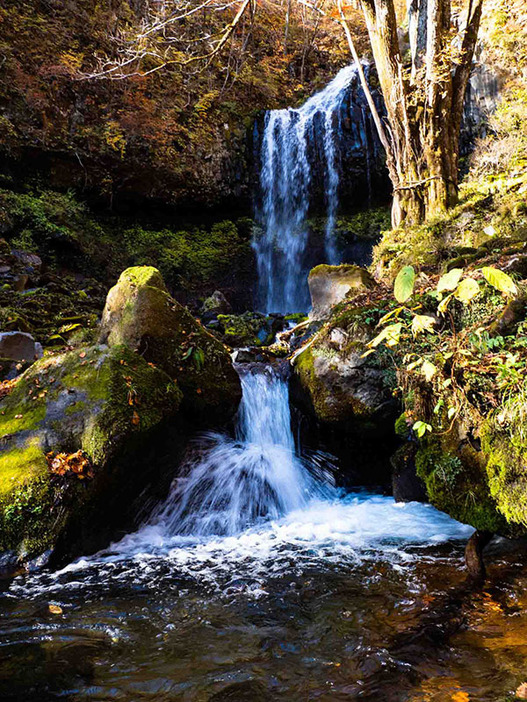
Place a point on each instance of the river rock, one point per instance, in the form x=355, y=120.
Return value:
x=329, y=285
x=140, y=313
x=19, y=346
x=84, y=434
x=348, y=400
x=214, y=305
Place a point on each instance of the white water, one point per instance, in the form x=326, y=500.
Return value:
x=257, y=475
x=250, y=508
x=285, y=178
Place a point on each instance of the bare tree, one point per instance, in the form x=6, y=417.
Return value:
x=172, y=32
x=424, y=97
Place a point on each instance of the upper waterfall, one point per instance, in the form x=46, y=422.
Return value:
x=292, y=140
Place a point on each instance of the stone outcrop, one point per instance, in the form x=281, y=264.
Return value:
x=350, y=398
x=329, y=285
x=141, y=314
x=89, y=434
x=77, y=437
x=19, y=346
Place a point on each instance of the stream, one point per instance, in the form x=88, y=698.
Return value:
x=258, y=579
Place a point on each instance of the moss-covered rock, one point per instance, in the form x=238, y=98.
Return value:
x=350, y=398
x=140, y=313
x=329, y=285
x=105, y=403
x=248, y=329
x=506, y=465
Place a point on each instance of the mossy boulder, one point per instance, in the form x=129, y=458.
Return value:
x=350, y=398
x=107, y=404
x=249, y=329
x=140, y=313
x=506, y=466
x=329, y=285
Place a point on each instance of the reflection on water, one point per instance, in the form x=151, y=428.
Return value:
x=325, y=604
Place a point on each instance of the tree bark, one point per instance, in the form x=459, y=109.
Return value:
x=424, y=101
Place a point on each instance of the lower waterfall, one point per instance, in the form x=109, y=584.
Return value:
x=230, y=484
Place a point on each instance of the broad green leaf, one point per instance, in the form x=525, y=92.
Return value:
x=442, y=307
x=404, y=284
x=421, y=428
x=449, y=281
x=499, y=280
x=390, y=335
x=422, y=323
x=428, y=370
x=467, y=290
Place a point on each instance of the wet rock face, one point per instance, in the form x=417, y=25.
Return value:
x=78, y=432
x=140, y=313
x=19, y=346
x=329, y=285
x=349, y=403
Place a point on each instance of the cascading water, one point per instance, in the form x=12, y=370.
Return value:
x=255, y=566
x=290, y=139
x=258, y=475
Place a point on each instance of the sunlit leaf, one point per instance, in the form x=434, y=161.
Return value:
x=467, y=290
x=390, y=335
x=393, y=313
x=443, y=305
x=404, y=284
x=428, y=370
x=421, y=428
x=422, y=323
x=449, y=281
x=499, y=280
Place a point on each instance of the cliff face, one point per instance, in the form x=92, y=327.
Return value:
x=178, y=135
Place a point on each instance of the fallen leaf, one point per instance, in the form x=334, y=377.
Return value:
x=521, y=692
x=55, y=609
x=82, y=354
x=135, y=419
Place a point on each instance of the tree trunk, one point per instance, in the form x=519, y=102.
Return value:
x=424, y=101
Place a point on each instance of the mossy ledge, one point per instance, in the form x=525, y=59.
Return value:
x=107, y=403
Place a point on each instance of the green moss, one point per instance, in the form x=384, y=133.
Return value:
x=138, y=397
x=21, y=465
x=455, y=487
x=401, y=426
x=26, y=499
x=506, y=470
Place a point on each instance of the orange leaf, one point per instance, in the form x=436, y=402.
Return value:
x=135, y=419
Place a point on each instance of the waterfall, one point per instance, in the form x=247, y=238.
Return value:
x=232, y=483
x=291, y=139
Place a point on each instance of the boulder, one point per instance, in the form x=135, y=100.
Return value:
x=329, y=285
x=19, y=346
x=214, y=305
x=141, y=314
x=249, y=328
x=350, y=398
x=83, y=434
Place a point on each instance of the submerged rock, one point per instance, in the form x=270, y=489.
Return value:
x=82, y=435
x=140, y=313
x=329, y=285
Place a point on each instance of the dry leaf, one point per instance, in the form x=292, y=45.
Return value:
x=55, y=609
x=135, y=419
